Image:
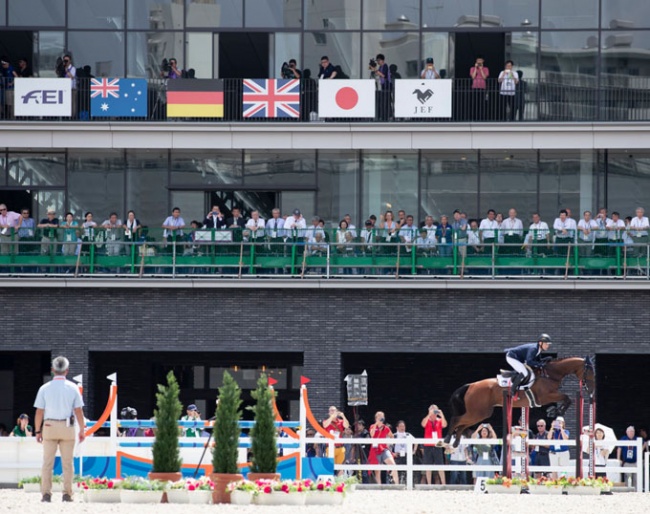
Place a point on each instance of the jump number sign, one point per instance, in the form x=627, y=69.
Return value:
x=479, y=487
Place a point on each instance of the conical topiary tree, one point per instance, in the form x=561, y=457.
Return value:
x=263, y=434
x=166, y=453
x=226, y=427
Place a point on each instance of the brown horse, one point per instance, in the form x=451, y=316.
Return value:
x=472, y=403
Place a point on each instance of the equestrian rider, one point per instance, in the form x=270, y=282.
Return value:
x=522, y=358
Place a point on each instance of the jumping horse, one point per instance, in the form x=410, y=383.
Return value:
x=475, y=402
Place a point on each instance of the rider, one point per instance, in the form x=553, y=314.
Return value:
x=520, y=357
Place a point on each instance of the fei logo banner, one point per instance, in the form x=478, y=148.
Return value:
x=423, y=98
x=42, y=97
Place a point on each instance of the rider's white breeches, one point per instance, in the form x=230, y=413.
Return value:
x=521, y=368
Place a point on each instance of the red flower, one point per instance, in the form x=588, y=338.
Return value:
x=285, y=488
x=320, y=486
x=267, y=489
x=340, y=488
x=109, y=484
x=85, y=487
x=191, y=487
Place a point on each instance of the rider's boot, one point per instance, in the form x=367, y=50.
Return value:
x=516, y=382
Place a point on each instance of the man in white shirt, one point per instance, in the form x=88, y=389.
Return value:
x=113, y=227
x=351, y=228
x=255, y=226
x=295, y=225
x=639, y=232
x=586, y=231
x=408, y=233
x=367, y=237
x=565, y=231
x=600, y=236
x=488, y=227
x=431, y=228
x=538, y=237
x=314, y=229
x=513, y=231
x=274, y=233
x=615, y=231
x=173, y=225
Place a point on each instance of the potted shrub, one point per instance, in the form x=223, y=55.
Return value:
x=263, y=434
x=226, y=439
x=242, y=492
x=30, y=484
x=166, y=452
x=504, y=485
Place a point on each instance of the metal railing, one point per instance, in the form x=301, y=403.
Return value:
x=556, y=98
x=315, y=253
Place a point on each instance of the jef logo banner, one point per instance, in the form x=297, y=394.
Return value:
x=43, y=97
x=423, y=98
x=118, y=98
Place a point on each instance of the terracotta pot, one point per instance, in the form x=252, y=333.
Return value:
x=221, y=481
x=263, y=476
x=165, y=477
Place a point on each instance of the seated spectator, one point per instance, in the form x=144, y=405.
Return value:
x=22, y=428
x=192, y=414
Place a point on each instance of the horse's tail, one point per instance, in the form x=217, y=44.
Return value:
x=457, y=401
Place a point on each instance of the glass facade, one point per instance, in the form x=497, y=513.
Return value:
x=565, y=40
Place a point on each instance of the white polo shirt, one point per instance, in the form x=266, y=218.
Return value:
x=58, y=398
x=639, y=223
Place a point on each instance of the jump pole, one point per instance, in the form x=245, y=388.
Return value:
x=579, y=424
x=507, y=437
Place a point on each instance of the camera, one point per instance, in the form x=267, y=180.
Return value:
x=286, y=70
x=165, y=66
x=372, y=63
x=339, y=416
x=382, y=420
x=59, y=67
x=128, y=413
x=436, y=411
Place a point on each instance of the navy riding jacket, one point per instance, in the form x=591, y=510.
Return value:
x=526, y=353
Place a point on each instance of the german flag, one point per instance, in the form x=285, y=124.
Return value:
x=194, y=98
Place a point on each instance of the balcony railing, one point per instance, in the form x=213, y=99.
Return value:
x=552, y=100
x=224, y=253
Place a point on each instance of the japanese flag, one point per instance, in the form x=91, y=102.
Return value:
x=346, y=98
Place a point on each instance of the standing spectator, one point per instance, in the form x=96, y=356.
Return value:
x=326, y=69
x=380, y=71
x=255, y=225
x=459, y=457
x=236, y=223
x=7, y=76
x=387, y=232
x=615, y=232
x=513, y=232
x=191, y=414
x=558, y=453
x=485, y=454
x=311, y=449
x=295, y=226
x=444, y=237
x=290, y=70
x=57, y=404
x=379, y=453
x=215, y=219
x=408, y=233
x=131, y=227
x=335, y=424
x=70, y=236
x=474, y=238
x=600, y=236
x=112, y=227
x=49, y=237
x=429, y=71
x=520, y=96
x=173, y=226
x=538, y=239
x=69, y=71
x=639, y=231
x=565, y=230
x=344, y=245
x=89, y=226
x=26, y=233
x=8, y=222
x=367, y=235
x=539, y=454
x=400, y=449
x=459, y=227
x=433, y=423
x=23, y=70
x=479, y=74
x=601, y=453
x=586, y=234
x=22, y=428
x=361, y=450
x=508, y=81
x=171, y=71
x=488, y=228
x=273, y=231
x=627, y=456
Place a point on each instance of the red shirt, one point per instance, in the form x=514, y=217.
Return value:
x=336, y=428
x=381, y=433
x=433, y=429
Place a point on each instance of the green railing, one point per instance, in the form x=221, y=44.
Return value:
x=307, y=253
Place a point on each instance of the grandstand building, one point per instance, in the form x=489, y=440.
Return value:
x=580, y=141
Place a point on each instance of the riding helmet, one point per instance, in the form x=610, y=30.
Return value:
x=545, y=338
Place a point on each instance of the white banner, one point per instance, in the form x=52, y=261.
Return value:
x=346, y=98
x=423, y=98
x=43, y=97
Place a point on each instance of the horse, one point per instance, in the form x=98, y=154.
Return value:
x=423, y=96
x=475, y=402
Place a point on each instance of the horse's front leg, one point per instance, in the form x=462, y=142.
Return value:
x=563, y=400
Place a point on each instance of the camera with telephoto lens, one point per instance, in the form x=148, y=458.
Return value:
x=128, y=413
x=286, y=71
x=372, y=63
x=382, y=420
x=165, y=66
x=59, y=68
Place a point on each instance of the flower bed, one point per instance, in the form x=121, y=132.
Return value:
x=504, y=485
x=288, y=492
x=190, y=491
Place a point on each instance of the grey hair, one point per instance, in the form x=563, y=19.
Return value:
x=60, y=364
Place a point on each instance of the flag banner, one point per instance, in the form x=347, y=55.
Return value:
x=271, y=98
x=346, y=98
x=423, y=98
x=42, y=97
x=118, y=98
x=195, y=98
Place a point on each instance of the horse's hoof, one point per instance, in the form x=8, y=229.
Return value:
x=551, y=412
x=441, y=444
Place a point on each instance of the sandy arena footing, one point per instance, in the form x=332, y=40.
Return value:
x=450, y=502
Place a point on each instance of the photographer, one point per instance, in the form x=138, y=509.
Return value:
x=429, y=71
x=335, y=424
x=433, y=423
x=290, y=71
x=484, y=454
x=380, y=453
x=193, y=414
x=558, y=454
x=380, y=71
x=129, y=414
x=169, y=69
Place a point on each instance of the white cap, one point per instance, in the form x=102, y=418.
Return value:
x=559, y=418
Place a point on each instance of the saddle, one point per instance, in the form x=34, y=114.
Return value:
x=504, y=379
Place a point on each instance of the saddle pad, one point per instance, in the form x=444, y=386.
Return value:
x=504, y=381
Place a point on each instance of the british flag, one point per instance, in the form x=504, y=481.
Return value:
x=104, y=87
x=271, y=98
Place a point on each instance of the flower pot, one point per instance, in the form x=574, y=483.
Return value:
x=502, y=489
x=102, y=496
x=241, y=497
x=174, y=476
x=280, y=498
x=128, y=496
x=253, y=477
x=221, y=481
x=324, y=498
x=545, y=489
x=177, y=496
x=583, y=490
x=32, y=488
x=199, y=497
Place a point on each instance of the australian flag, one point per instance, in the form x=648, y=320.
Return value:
x=271, y=98
x=118, y=98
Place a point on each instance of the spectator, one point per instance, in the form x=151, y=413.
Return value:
x=408, y=234
x=311, y=449
x=587, y=228
x=433, y=423
x=290, y=70
x=23, y=70
x=444, y=237
x=171, y=71
x=508, y=81
x=22, y=428
x=89, y=227
x=513, y=232
x=400, y=449
x=173, y=225
x=600, y=236
x=361, y=450
x=474, y=238
x=488, y=228
x=49, y=237
x=565, y=230
x=540, y=454
x=367, y=236
x=191, y=414
x=70, y=235
x=627, y=456
x=479, y=74
x=459, y=457
x=349, y=453
x=8, y=222
x=484, y=454
x=601, y=453
x=520, y=96
x=335, y=424
x=387, y=232
x=7, y=76
x=326, y=69
x=273, y=231
x=131, y=227
x=538, y=238
x=295, y=225
x=639, y=231
x=380, y=72
x=558, y=453
x=344, y=244
x=112, y=227
x=394, y=75
x=26, y=233
x=256, y=226
x=130, y=414
x=69, y=71
x=150, y=431
x=429, y=71
x=459, y=227
x=379, y=453
x=215, y=219
x=423, y=245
